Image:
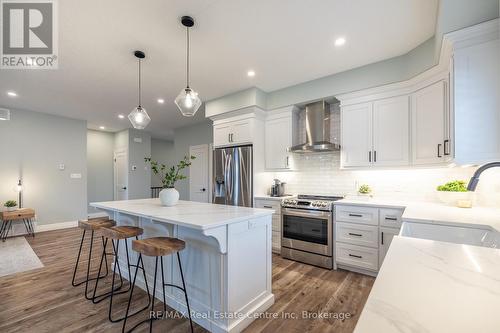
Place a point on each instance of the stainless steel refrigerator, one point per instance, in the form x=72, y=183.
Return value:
x=232, y=178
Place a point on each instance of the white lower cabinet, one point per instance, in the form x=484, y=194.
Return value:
x=363, y=235
x=276, y=220
x=357, y=256
x=386, y=236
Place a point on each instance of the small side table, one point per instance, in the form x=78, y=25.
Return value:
x=25, y=214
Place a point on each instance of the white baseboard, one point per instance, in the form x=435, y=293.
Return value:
x=55, y=226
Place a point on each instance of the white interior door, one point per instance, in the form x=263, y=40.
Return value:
x=199, y=174
x=391, y=131
x=121, y=175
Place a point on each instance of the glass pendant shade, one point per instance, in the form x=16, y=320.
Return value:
x=139, y=117
x=188, y=102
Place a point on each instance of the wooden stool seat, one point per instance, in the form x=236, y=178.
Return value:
x=158, y=246
x=121, y=232
x=96, y=223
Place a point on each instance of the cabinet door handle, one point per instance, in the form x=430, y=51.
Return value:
x=355, y=256
x=382, y=237
x=446, y=147
x=374, y=156
x=391, y=218
x=355, y=215
x=232, y=140
x=369, y=156
x=229, y=137
x=439, y=150
x=353, y=234
x=287, y=161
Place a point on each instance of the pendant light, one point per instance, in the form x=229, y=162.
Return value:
x=188, y=101
x=139, y=117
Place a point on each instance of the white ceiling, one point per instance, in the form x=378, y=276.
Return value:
x=285, y=41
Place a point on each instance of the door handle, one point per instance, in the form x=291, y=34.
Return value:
x=374, y=156
x=369, y=156
x=446, y=147
x=287, y=161
x=124, y=188
x=439, y=150
x=229, y=137
x=203, y=189
x=382, y=237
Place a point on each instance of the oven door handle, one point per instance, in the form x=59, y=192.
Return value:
x=301, y=213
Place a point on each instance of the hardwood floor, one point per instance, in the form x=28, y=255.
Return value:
x=43, y=300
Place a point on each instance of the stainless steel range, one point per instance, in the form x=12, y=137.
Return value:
x=307, y=229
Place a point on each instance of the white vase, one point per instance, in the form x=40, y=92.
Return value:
x=169, y=197
x=11, y=209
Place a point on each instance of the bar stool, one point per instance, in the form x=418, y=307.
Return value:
x=117, y=233
x=158, y=247
x=90, y=225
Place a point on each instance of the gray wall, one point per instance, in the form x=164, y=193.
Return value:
x=185, y=137
x=163, y=152
x=139, y=181
x=100, y=147
x=32, y=145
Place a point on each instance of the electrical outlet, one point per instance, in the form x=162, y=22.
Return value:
x=61, y=167
x=75, y=176
x=134, y=167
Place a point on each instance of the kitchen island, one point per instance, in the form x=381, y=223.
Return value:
x=226, y=262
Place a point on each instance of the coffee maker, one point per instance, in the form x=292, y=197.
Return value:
x=278, y=188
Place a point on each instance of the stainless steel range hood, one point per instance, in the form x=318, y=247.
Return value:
x=317, y=130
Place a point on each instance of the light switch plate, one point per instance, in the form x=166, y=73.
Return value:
x=138, y=140
x=61, y=166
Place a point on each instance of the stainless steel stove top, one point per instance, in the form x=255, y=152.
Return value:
x=311, y=202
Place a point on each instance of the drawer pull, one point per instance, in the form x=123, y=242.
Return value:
x=355, y=215
x=355, y=256
x=391, y=218
x=268, y=207
x=315, y=230
x=353, y=234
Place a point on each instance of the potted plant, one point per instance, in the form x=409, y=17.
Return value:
x=365, y=190
x=10, y=205
x=454, y=193
x=169, y=196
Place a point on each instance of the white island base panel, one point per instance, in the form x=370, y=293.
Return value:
x=227, y=269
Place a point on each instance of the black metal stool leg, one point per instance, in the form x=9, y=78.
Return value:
x=78, y=261
x=154, y=295
x=163, y=289
x=2, y=228
x=127, y=315
x=185, y=292
x=99, y=298
x=88, y=264
x=6, y=231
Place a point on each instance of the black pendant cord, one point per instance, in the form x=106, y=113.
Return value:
x=139, y=82
x=187, y=58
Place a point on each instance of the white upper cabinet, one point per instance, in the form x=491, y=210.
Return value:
x=356, y=143
x=233, y=132
x=429, y=116
x=280, y=134
x=477, y=102
x=391, y=131
x=376, y=133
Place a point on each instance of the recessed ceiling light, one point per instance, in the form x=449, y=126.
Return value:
x=340, y=41
x=161, y=100
x=251, y=73
x=121, y=116
x=11, y=94
x=102, y=127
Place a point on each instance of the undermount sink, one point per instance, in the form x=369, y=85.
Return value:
x=451, y=234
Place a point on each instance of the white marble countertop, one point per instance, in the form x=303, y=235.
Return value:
x=439, y=213
x=430, y=286
x=189, y=214
x=268, y=197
